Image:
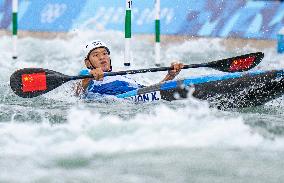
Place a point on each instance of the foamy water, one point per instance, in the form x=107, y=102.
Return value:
x=60, y=138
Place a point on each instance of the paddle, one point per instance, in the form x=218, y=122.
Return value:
x=32, y=82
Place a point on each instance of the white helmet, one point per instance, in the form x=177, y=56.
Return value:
x=95, y=44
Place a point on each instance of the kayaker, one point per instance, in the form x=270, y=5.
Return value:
x=98, y=61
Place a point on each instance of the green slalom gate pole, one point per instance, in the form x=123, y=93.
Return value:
x=127, y=52
x=15, y=28
x=157, y=35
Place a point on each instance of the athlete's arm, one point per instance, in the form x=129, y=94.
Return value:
x=173, y=72
x=81, y=86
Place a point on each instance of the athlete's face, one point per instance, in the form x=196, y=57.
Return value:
x=99, y=58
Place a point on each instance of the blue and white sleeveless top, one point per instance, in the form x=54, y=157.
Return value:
x=111, y=85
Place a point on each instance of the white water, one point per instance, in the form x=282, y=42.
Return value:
x=62, y=139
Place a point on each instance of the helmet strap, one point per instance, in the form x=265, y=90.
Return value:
x=110, y=68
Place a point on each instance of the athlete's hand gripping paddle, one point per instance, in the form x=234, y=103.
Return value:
x=32, y=82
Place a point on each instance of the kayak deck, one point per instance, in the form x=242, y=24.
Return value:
x=235, y=90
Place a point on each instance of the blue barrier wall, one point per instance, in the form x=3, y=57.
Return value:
x=5, y=13
x=217, y=18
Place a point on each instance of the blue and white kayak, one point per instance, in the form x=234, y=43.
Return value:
x=234, y=90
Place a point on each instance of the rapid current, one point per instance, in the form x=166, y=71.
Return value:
x=59, y=138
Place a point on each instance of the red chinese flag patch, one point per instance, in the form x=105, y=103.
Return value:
x=34, y=82
x=241, y=64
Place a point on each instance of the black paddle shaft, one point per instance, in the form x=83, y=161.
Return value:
x=222, y=65
x=32, y=82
